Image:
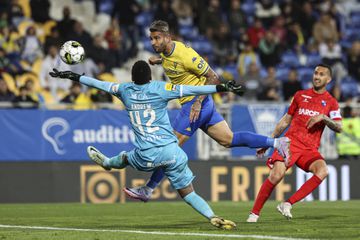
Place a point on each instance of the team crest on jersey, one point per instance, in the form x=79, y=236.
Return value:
x=323, y=102
x=170, y=87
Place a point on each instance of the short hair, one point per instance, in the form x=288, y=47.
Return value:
x=141, y=72
x=325, y=66
x=159, y=26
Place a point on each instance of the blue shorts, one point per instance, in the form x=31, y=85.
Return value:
x=208, y=117
x=171, y=158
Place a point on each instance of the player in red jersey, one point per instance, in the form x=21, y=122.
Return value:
x=310, y=111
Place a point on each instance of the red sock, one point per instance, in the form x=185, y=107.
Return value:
x=305, y=189
x=263, y=195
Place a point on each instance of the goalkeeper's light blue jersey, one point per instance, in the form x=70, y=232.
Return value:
x=146, y=106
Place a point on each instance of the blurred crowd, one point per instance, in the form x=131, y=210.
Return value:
x=269, y=46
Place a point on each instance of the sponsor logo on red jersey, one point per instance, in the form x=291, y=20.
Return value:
x=308, y=112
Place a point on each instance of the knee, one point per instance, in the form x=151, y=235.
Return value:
x=226, y=143
x=322, y=172
x=276, y=177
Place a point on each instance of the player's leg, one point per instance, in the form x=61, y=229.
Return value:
x=221, y=133
x=202, y=207
x=181, y=177
x=277, y=173
x=310, y=161
x=144, y=193
x=320, y=171
x=118, y=161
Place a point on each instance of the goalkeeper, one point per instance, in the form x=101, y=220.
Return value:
x=156, y=146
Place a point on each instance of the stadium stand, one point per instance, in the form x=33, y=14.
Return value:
x=96, y=17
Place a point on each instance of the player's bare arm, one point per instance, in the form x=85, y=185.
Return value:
x=155, y=60
x=282, y=125
x=211, y=78
x=279, y=129
x=332, y=124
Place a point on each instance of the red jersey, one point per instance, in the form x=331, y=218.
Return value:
x=308, y=103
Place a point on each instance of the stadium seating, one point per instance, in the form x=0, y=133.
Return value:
x=349, y=87
x=22, y=79
x=147, y=44
x=248, y=8
x=282, y=73
x=351, y=34
x=23, y=26
x=107, y=77
x=290, y=60
x=312, y=60
x=47, y=98
x=232, y=69
x=189, y=32
x=10, y=81
x=25, y=5
x=202, y=46
x=305, y=76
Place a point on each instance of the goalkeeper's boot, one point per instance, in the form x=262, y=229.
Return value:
x=284, y=149
x=97, y=157
x=222, y=223
x=284, y=208
x=253, y=218
x=142, y=193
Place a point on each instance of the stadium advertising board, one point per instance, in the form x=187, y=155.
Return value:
x=215, y=181
x=36, y=135
x=44, y=135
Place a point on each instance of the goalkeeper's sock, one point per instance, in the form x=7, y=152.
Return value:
x=199, y=204
x=155, y=179
x=116, y=161
x=253, y=140
x=305, y=189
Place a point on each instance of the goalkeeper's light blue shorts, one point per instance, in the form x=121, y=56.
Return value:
x=171, y=158
x=208, y=117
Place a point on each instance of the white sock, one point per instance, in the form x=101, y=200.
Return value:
x=276, y=142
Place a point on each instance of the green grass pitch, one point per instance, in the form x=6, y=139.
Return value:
x=176, y=220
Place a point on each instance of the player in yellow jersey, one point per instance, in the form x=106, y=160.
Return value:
x=184, y=66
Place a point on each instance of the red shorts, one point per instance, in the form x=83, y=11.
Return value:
x=303, y=158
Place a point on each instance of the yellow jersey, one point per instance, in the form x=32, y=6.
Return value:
x=184, y=66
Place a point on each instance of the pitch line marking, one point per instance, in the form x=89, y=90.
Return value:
x=153, y=233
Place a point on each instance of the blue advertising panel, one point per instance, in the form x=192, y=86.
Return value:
x=63, y=135
x=44, y=135
x=258, y=118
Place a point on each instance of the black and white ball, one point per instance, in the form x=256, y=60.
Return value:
x=71, y=52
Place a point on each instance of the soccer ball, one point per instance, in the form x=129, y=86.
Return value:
x=71, y=52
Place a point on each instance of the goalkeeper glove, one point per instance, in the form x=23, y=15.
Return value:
x=65, y=74
x=230, y=86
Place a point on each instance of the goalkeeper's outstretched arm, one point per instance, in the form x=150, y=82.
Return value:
x=88, y=81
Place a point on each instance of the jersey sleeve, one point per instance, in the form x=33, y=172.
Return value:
x=92, y=82
x=334, y=112
x=170, y=91
x=194, y=62
x=293, y=105
x=112, y=88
